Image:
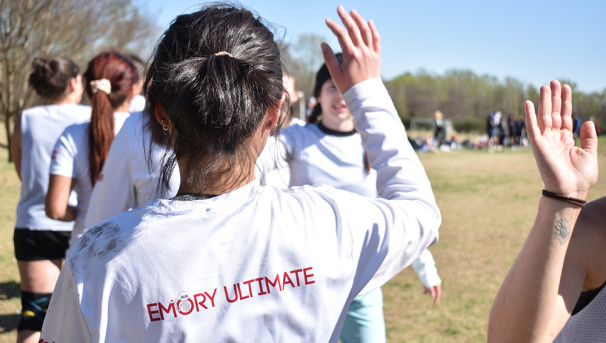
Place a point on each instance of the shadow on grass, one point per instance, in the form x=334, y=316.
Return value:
x=9, y=322
x=8, y=291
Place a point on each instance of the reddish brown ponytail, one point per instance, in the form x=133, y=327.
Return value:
x=122, y=75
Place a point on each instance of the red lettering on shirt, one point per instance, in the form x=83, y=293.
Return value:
x=200, y=303
x=170, y=307
x=227, y=294
x=259, y=279
x=273, y=284
x=308, y=276
x=250, y=293
x=153, y=312
x=240, y=293
x=184, y=305
x=296, y=272
x=286, y=279
x=212, y=298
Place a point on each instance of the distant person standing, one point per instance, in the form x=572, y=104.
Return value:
x=439, y=132
x=40, y=242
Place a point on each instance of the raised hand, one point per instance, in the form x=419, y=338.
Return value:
x=361, y=49
x=565, y=169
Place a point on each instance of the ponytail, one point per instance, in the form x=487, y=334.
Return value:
x=101, y=133
x=110, y=77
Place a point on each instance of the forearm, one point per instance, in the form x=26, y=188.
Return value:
x=525, y=308
x=56, y=205
x=408, y=205
x=425, y=267
x=16, y=147
x=400, y=174
x=67, y=214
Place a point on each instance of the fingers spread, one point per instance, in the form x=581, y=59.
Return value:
x=342, y=37
x=589, y=138
x=363, y=27
x=350, y=25
x=376, y=40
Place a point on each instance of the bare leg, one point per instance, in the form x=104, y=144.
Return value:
x=37, y=277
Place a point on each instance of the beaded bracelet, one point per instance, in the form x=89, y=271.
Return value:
x=569, y=200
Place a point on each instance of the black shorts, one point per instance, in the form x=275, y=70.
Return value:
x=35, y=245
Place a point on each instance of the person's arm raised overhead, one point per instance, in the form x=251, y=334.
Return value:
x=408, y=218
x=543, y=285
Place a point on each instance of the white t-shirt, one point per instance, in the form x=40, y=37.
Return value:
x=257, y=264
x=137, y=104
x=40, y=128
x=70, y=158
x=317, y=155
x=127, y=181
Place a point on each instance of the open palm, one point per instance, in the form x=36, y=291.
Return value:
x=565, y=169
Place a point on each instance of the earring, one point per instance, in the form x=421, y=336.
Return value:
x=165, y=127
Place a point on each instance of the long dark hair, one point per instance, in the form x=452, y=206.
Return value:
x=51, y=76
x=215, y=73
x=122, y=75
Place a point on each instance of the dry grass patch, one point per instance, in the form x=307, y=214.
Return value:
x=488, y=203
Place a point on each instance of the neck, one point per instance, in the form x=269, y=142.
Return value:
x=123, y=107
x=65, y=100
x=228, y=176
x=223, y=182
x=343, y=125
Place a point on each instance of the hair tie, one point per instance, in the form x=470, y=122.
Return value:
x=101, y=85
x=221, y=53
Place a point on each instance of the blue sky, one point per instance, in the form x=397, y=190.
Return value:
x=532, y=41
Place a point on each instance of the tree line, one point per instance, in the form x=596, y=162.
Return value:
x=76, y=29
x=79, y=29
x=462, y=96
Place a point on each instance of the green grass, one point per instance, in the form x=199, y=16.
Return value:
x=488, y=203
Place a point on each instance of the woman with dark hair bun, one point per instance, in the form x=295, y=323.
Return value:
x=40, y=242
x=81, y=150
x=227, y=259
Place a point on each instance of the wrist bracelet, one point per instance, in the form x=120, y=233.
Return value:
x=569, y=200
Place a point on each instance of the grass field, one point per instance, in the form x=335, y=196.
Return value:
x=488, y=204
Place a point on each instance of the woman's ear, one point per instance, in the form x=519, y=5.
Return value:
x=160, y=115
x=75, y=83
x=273, y=114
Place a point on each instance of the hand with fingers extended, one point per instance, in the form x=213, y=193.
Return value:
x=361, y=48
x=565, y=169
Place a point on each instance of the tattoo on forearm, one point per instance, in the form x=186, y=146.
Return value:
x=561, y=231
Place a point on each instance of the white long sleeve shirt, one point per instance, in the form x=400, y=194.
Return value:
x=70, y=158
x=258, y=264
x=127, y=180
